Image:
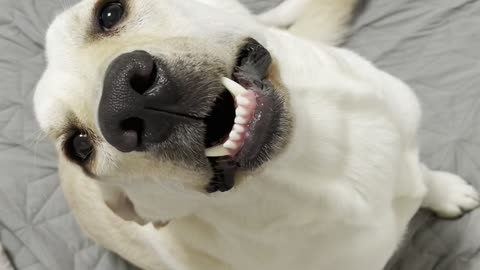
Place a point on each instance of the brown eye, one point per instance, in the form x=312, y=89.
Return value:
x=110, y=15
x=80, y=147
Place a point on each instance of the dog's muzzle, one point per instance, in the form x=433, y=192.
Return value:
x=197, y=115
x=139, y=102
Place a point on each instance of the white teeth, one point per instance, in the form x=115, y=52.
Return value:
x=241, y=111
x=230, y=145
x=234, y=88
x=242, y=101
x=239, y=128
x=216, y=151
x=241, y=120
x=234, y=136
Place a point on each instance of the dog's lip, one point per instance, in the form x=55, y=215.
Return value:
x=244, y=150
x=259, y=128
x=254, y=105
x=257, y=110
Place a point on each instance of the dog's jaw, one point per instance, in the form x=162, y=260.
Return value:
x=262, y=125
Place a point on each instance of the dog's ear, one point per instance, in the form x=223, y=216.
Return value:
x=285, y=14
x=121, y=205
x=230, y=5
x=324, y=21
x=101, y=224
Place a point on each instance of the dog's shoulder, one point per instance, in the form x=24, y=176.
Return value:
x=387, y=92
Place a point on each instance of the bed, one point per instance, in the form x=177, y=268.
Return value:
x=433, y=45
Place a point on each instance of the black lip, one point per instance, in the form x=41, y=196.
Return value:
x=251, y=72
x=253, y=59
x=265, y=125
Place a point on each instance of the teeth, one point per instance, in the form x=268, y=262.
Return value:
x=242, y=101
x=217, y=151
x=230, y=145
x=233, y=142
x=241, y=111
x=234, y=136
x=234, y=88
x=241, y=120
x=239, y=128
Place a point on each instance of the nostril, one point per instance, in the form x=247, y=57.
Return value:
x=133, y=124
x=141, y=83
x=133, y=129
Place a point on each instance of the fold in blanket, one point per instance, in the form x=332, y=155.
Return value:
x=4, y=261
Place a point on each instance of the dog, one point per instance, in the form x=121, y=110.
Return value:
x=194, y=135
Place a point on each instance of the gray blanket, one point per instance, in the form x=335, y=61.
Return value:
x=5, y=263
x=434, y=45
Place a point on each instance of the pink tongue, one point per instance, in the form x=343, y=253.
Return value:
x=246, y=104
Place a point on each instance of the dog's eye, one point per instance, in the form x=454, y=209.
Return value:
x=110, y=15
x=80, y=147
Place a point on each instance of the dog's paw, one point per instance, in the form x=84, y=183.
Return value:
x=449, y=196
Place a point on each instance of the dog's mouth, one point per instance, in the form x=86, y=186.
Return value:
x=230, y=122
x=241, y=125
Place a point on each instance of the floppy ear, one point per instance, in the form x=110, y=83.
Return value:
x=230, y=5
x=324, y=21
x=285, y=14
x=145, y=246
x=97, y=220
x=141, y=245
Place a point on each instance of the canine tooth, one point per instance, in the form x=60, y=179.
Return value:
x=240, y=120
x=241, y=111
x=216, y=151
x=239, y=128
x=230, y=144
x=234, y=88
x=235, y=136
x=242, y=101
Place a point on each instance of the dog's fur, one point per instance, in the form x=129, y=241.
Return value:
x=339, y=196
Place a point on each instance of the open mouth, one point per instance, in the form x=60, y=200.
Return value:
x=239, y=112
x=243, y=122
x=228, y=124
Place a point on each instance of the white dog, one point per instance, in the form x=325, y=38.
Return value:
x=308, y=161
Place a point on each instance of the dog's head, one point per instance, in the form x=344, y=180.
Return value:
x=146, y=90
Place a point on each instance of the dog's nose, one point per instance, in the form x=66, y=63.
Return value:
x=132, y=82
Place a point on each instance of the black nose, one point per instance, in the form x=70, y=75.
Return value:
x=133, y=82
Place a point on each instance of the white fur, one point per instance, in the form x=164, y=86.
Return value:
x=339, y=197
x=298, y=16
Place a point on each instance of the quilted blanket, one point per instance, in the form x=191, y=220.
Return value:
x=5, y=263
x=431, y=44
